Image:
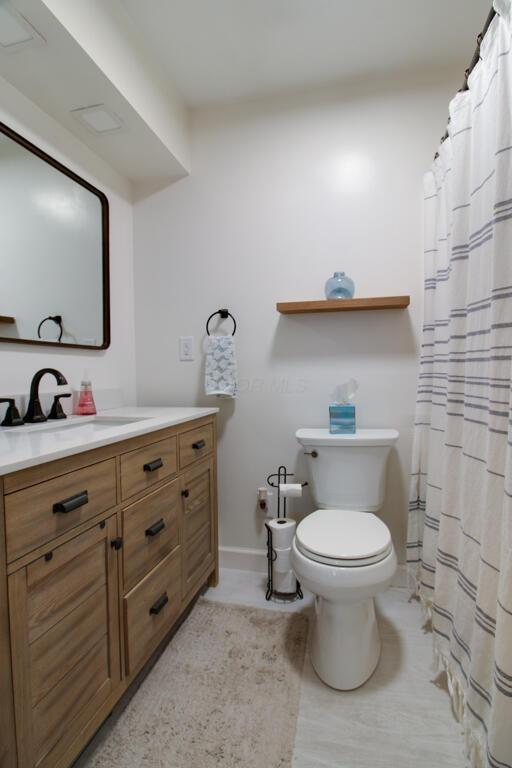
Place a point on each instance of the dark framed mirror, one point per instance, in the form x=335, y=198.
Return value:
x=54, y=251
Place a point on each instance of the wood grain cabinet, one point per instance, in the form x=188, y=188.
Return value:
x=63, y=610
x=100, y=554
x=198, y=531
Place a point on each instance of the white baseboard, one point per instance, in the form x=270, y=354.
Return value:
x=402, y=579
x=245, y=559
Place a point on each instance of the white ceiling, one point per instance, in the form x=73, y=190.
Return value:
x=221, y=50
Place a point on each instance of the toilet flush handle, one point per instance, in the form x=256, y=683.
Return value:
x=313, y=454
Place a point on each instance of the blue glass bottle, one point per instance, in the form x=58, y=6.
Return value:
x=339, y=286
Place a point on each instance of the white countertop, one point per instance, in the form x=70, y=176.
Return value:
x=32, y=444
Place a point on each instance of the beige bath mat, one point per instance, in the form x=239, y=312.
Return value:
x=224, y=693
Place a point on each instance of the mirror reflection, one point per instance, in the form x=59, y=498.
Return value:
x=53, y=250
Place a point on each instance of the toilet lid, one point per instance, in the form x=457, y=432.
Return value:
x=344, y=537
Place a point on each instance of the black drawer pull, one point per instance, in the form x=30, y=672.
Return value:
x=197, y=446
x=157, y=607
x=185, y=493
x=151, y=466
x=155, y=528
x=68, y=505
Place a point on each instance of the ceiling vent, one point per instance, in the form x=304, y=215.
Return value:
x=98, y=118
x=16, y=31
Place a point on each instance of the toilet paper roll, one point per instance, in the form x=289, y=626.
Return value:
x=284, y=582
x=282, y=560
x=290, y=490
x=283, y=531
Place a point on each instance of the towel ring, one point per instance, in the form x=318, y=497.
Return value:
x=57, y=319
x=224, y=313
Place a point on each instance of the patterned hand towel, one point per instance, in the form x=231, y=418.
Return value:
x=221, y=376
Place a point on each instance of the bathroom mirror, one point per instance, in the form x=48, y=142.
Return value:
x=54, y=286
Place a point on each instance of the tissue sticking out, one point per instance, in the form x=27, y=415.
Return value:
x=342, y=411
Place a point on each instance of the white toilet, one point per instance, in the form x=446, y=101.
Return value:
x=343, y=553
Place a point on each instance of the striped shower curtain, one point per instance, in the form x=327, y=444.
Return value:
x=460, y=521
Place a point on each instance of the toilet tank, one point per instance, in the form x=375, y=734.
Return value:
x=348, y=471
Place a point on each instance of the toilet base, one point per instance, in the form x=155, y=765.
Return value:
x=345, y=643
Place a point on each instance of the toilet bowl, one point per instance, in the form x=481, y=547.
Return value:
x=344, y=555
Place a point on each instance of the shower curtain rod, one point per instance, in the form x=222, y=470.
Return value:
x=474, y=61
x=476, y=55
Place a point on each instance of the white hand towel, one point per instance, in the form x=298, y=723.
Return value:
x=221, y=376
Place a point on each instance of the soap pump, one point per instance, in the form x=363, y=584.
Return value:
x=86, y=405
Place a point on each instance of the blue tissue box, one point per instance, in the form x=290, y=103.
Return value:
x=342, y=419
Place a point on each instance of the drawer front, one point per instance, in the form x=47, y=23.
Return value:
x=151, y=608
x=197, y=556
x=195, y=444
x=150, y=532
x=145, y=467
x=196, y=500
x=42, y=512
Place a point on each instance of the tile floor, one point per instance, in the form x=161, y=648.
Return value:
x=398, y=719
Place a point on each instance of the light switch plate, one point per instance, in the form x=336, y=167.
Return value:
x=186, y=347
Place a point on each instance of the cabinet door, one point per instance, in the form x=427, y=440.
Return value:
x=65, y=642
x=198, y=529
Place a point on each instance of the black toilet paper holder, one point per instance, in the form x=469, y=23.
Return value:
x=281, y=476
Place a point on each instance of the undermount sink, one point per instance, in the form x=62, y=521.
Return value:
x=89, y=424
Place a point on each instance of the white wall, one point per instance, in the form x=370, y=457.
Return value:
x=283, y=193
x=112, y=369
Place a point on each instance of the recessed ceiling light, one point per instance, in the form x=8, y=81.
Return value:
x=98, y=118
x=15, y=30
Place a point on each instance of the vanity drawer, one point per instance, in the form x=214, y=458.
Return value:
x=197, y=556
x=42, y=512
x=151, y=608
x=195, y=444
x=150, y=531
x=147, y=466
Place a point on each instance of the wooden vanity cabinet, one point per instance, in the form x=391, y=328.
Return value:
x=64, y=617
x=88, y=591
x=198, y=531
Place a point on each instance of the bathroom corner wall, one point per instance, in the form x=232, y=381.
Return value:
x=113, y=370
x=284, y=192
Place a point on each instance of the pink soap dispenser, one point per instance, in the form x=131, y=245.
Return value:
x=86, y=405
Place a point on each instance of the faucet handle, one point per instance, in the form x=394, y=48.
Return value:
x=12, y=415
x=56, y=411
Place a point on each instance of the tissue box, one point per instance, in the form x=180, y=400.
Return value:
x=342, y=419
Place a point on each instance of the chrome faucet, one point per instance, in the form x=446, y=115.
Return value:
x=34, y=413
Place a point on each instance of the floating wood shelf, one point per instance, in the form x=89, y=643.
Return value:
x=7, y=319
x=342, y=305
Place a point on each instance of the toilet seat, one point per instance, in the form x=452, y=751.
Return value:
x=343, y=538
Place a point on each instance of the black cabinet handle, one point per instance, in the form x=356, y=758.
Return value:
x=155, y=528
x=117, y=544
x=197, y=446
x=185, y=493
x=68, y=505
x=157, y=607
x=151, y=466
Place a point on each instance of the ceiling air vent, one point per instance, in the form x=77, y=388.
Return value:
x=15, y=30
x=98, y=118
